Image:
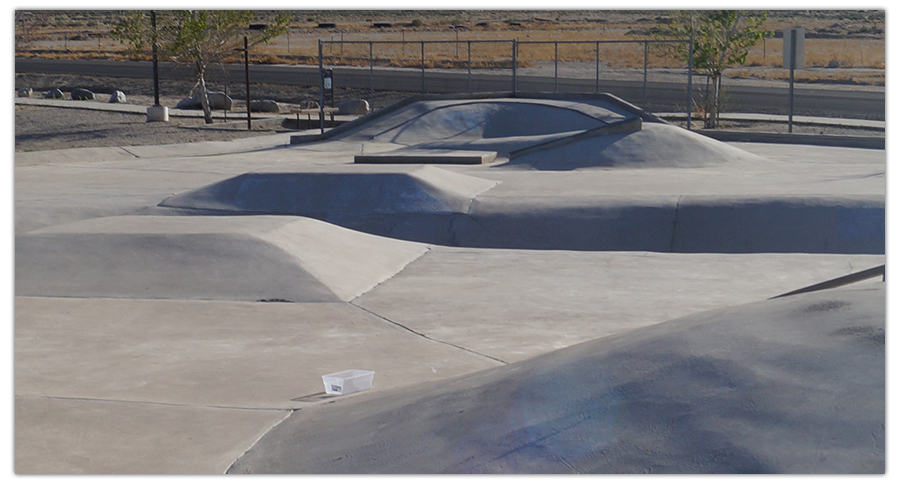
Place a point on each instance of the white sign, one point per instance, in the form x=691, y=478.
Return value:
x=793, y=45
x=327, y=81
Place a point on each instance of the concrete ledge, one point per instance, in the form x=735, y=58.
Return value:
x=867, y=142
x=627, y=126
x=429, y=157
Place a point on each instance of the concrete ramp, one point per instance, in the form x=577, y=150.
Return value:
x=264, y=258
x=333, y=195
x=653, y=146
x=422, y=204
x=794, y=385
x=545, y=133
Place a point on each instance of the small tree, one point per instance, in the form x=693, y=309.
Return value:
x=200, y=38
x=721, y=39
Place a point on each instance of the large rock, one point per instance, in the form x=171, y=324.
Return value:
x=264, y=106
x=118, y=97
x=353, y=106
x=218, y=101
x=80, y=94
x=188, y=103
x=24, y=92
x=54, y=94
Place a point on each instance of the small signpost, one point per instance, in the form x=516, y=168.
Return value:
x=793, y=59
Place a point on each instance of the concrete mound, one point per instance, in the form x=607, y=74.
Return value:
x=653, y=146
x=422, y=204
x=334, y=195
x=265, y=258
x=793, y=385
x=547, y=134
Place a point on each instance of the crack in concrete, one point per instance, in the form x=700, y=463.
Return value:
x=428, y=337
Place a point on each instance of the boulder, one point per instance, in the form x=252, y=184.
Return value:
x=80, y=94
x=353, y=106
x=54, y=94
x=218, y=101
x=188, y=103
x=117, y=97
x=24, y=92
x=308, y=104
x=264, y=106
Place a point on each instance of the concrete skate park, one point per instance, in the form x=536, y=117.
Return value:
x=540, y=283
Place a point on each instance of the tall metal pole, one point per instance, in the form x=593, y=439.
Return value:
x=371, y=71
x=247, y=79
x=597, y=74
x=422, y=43
x=469, y=64
x=155, y=59
x=321, y=91
x=690, y=97
x=556, y=67
x=515, y=66
x=646, y=53
x=793, y=65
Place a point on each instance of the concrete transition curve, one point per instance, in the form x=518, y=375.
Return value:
x=266, y=258
x=793, y=385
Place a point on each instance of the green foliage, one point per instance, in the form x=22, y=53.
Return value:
x=720, y=38
x=199, y=38
x=191, y=35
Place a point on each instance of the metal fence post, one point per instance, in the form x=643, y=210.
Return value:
x=556, y=67
x=690, y=88
x=646, y=50
x=371, y=71
x=515, y=66
x=422, y=43
x=597, y=76
x=321, y=90
x=469, y=64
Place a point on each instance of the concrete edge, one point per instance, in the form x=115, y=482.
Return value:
x=626, y=126
x=618, y=102
x=866, y=142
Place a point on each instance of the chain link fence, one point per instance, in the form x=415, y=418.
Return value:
x=642, y=72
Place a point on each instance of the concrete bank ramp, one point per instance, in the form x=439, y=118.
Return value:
x=334, y=194
x=544, y=133
x=792, y=385
x=425, y=121
x=417, y=203
x=263, y=258
x=653, y=146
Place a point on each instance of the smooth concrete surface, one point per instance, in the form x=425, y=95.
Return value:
x=429, y=273
x=792, y=386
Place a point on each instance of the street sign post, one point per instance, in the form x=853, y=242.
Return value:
x=793, y=59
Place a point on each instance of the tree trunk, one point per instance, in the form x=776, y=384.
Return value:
x=204, y=98
x=712, y=115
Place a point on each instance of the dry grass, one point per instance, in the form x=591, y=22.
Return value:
x=85, y=37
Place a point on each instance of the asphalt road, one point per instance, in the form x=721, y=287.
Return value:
x=660, y=96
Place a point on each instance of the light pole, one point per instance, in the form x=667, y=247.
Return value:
x=246, y=51
x=156, y=112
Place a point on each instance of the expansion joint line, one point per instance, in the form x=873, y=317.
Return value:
x=675, y=223
x=428, y=337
